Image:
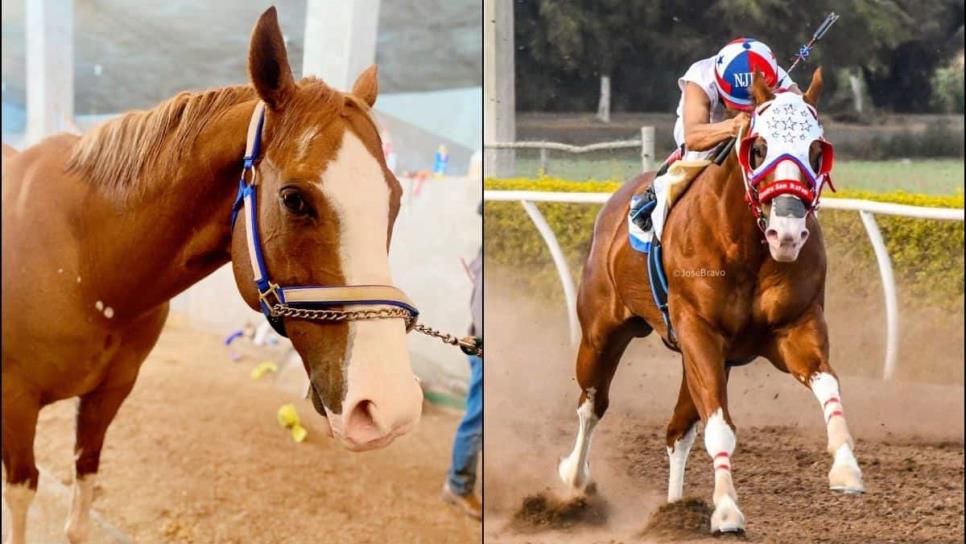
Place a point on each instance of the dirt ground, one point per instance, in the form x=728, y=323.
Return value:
x=196, y=456
x=909, y=443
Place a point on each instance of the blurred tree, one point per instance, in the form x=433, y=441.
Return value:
x=564, y=46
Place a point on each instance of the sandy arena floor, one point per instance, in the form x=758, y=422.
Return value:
x=909, y=445
x=196, y=456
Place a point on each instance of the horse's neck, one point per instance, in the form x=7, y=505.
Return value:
x=180, y=231
x=734, y=219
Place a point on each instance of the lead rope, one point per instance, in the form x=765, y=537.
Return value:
x=470, y=345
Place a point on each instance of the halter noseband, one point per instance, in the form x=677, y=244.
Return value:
x=312, y=302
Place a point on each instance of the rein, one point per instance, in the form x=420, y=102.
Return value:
x=315, y=302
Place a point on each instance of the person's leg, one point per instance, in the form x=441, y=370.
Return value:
x=469, y=435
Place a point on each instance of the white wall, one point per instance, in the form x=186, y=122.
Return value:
x=437, y=226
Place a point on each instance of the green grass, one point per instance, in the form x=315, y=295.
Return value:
x=924, y=176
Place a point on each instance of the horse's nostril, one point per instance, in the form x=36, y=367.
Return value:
x=362, y=415
x=804, y=235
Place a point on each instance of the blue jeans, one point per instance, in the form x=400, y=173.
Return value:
x=469, y=435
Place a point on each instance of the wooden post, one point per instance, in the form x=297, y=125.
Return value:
x=499, y=104
x=603, y=106
x=647, y=149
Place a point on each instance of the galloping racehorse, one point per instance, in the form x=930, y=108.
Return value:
x=763, y=295
x=100, y=231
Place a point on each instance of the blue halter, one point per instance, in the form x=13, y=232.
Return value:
x=304, y=297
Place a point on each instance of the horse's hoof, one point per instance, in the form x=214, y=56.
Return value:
x=727, y=518
x=577, y=480
x=845, y=475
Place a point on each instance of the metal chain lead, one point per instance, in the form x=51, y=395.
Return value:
x=468, y=344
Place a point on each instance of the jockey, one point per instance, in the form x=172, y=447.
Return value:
x=715, y=102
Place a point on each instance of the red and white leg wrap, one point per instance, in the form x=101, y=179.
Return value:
x=826, y=390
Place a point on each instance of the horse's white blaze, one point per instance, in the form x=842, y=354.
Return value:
x=79, y=517
x=678, y=457
x=377, y=361
x=785, y=234
x=719, y=442
x=574, y=469
x=18, y=497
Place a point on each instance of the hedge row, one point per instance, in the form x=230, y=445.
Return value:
x=927, y=255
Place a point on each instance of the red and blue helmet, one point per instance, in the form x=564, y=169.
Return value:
x=734, y=69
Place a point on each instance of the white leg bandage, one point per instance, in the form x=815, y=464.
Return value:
x=18, y=497
x=79, y=517
x=574, y=469
x=845, y=474
x=719, y=441
x=826, y=389
x=678, y=458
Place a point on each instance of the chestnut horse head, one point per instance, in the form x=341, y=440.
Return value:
x=785, y=161
x=326, y=205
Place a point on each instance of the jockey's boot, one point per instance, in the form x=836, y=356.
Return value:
x=643, y=204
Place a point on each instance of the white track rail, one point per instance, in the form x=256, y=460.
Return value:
x=866, y=209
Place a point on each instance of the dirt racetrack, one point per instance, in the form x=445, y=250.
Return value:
x=909, y=443
x=196, y=456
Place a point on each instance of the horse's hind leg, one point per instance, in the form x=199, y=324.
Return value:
x=601, y=347
x=20, y=409
x=681, y=431
x=803, y=351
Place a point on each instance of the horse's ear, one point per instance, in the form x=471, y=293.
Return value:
x=268, y=62
x=760, y=90
x=814, y=88
x=366, y=86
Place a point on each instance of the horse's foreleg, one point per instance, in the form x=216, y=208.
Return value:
x=707, y=380
x=97, y=409
x=94, y=414
x=600, y=351
x=802, y=350
x=681, y=431
x=20, y=411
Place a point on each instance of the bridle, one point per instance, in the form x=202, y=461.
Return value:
x=789, y=137
x=312, y=302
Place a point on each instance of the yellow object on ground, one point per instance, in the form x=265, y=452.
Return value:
x=263, y=368
x=288, y=417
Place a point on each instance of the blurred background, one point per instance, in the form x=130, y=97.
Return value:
x=68, y=65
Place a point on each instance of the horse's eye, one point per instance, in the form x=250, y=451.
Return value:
x=294, y=202
x=758, y=152
x=816, y=161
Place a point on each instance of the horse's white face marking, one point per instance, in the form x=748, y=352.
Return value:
x=99, y=306
x=108, y=312
x=678, y=458
x=78, y=519
x=18, y=498
x=376, y=359
x=786, y=234
x=574, y=469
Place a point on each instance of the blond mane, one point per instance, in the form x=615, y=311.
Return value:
x=118, y=152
